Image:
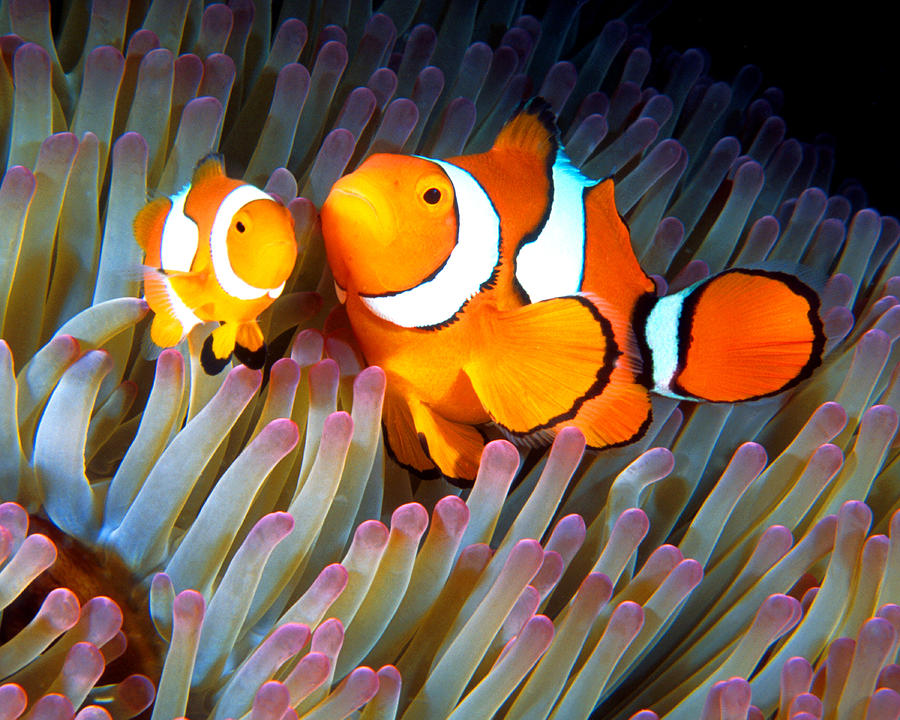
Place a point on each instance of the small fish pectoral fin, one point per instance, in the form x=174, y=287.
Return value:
x=429, y=444
x=223, y=339
x=189, y=286
x=543, y=362
x=165, y=330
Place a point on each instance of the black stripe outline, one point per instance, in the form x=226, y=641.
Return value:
x=639, y=315
x=638, y=434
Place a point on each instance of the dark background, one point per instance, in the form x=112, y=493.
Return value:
x=839, y=71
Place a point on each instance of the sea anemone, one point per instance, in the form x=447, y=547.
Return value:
x=240, y=545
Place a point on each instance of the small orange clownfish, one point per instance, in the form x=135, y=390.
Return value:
x=218, y=250
x=501, y=288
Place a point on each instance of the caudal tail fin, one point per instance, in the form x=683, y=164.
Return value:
x=740, y=335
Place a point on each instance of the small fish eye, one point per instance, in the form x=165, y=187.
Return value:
x=239, y=226
x=432, y=196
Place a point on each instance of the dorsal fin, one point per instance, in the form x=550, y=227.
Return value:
x=533, y=129
x=210, y=166
x=148, y=226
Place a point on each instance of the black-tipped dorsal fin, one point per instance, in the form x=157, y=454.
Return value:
x=533, y=128
x=210, y=166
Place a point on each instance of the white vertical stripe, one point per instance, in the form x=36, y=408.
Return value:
x=218, y=244
x=470, y=264
x=661, y=332
x=180, y=237
x=553, y=264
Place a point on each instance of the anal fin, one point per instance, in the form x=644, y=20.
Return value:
x=542, y=362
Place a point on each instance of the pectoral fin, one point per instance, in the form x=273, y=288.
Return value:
x=190, y=287
x=165, y=330
x=543, y=362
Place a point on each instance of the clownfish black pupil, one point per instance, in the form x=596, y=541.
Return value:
x=239, y=226
x=432, y=196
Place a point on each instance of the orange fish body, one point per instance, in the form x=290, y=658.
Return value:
x=219, y=250
x=502, y=288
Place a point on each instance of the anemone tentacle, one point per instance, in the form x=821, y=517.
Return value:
x=266, y=556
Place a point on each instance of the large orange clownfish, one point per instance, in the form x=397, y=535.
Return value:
x=502, y=288
x=218, y=250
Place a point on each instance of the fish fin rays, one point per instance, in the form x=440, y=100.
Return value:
x=249, y=346
x=190, y=287
x=455, y=448
x=249, y=335
x=224, y=338
x=209, y=361
x=565, y=346
x=218, y=347
x=165, y=330
x=210, y=166
x=746, y=334
x=619, y=415
x=532, y=129
x=401, y=436
x=427, y=444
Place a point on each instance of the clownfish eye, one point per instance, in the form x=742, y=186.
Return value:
x=432, y=196
x=239, y=226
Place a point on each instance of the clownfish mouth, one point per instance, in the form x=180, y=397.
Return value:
x=357, y=229
x=357, y=211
